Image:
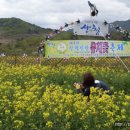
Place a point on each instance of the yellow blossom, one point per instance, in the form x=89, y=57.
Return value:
x=49, y=124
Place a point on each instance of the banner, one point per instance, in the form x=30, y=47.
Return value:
x=91, y=28
x=86, y=48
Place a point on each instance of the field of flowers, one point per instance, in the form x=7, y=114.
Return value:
x=36, y=97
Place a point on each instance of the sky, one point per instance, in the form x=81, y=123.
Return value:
x=55, y=13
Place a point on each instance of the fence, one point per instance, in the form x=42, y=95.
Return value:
x=94, y=62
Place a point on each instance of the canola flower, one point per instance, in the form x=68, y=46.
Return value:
x=68, y=125
x=49, y=124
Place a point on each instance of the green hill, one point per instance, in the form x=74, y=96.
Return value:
x=13, y=26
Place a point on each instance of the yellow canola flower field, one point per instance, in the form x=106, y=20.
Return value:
x=42, y=98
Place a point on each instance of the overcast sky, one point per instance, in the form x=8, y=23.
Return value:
x=54, y=13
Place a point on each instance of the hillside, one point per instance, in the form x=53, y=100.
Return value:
x=14, y=29
x=13, y=26
x=124, y=24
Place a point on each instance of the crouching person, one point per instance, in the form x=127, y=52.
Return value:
x=89, y=81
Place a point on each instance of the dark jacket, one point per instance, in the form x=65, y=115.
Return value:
x=97, y=84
